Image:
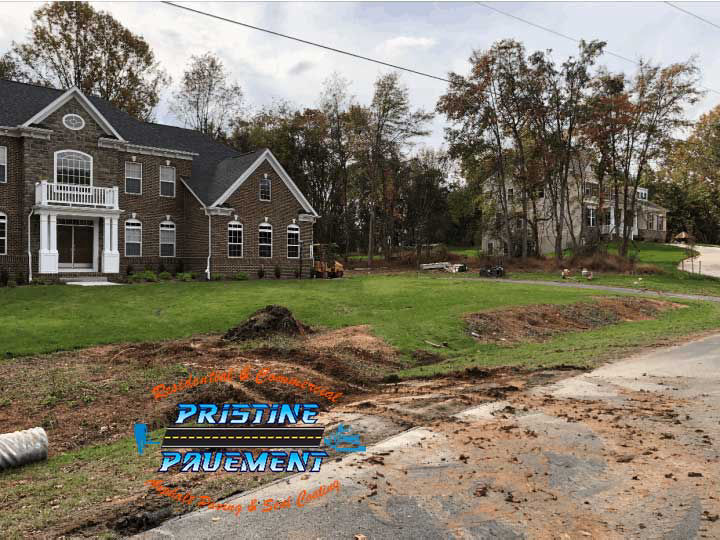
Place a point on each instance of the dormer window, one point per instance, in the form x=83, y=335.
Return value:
x=74, y=122
x=265, y=188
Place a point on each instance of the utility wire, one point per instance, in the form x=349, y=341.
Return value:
x=693, y=15
x=306, y=42
x=553, y=31
x=578, y=41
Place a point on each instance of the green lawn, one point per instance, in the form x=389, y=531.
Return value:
x=663, y=256
x=404, y=309
x=465, y=251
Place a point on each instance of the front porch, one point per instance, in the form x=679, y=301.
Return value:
x=74, y=221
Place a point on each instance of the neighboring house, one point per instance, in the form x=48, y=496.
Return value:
x=583, y=219
x=87, y=189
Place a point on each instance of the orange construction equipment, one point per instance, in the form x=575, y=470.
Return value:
x=325, y=265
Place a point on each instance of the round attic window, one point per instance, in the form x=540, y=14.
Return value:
x=73, y=121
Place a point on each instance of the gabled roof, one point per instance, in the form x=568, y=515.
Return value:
x=73, y=93
x=215, y=168
x=248, y=163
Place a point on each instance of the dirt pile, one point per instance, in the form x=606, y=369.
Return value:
x=265, y=322
x=536, y=323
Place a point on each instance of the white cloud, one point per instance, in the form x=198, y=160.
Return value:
x=432, y=37
x=403, y=44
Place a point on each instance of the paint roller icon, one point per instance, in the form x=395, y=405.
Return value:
x=141, y=439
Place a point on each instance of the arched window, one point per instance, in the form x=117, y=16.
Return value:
x=133, y=238
x=73, y=167
x=293, y=242
x=235, y=239
x=265, y=240
x=265, y=188
x=167, y=239
x=3, y=234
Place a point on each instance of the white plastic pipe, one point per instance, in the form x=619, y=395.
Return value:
x=22, y=447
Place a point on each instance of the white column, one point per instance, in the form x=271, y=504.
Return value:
x=114, y=236
x=44, y=233
x=106, y=234
x=111, y=256
x=48, y=259
x=53, y=234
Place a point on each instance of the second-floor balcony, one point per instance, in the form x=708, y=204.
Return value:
x=74, y=195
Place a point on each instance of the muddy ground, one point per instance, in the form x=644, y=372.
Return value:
x=94, y=396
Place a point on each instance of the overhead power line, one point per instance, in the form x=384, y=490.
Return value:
x=565, y=36
x=306, y=42
x=693, y=15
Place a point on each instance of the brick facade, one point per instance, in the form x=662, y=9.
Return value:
x=31, y=160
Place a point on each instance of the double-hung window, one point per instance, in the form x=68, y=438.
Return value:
x=235, y=239
x=167, y=181
x=3, y=234
x=590, y=217
x=3, y=164
x=167, y=239
x=133, y=238
x=265, y=188
x=293, y=242
x=133, y=178
x=265, y=240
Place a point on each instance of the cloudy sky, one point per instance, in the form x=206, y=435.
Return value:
x=432, y=37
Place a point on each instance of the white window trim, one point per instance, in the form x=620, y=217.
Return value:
x=3, y=180
x=269, y=181
x=133, y=178
x=4, y=218
x=92, y=164
x=296, y=229
x=592, y=216
x=265, y=226
x=174, y=182
x=160, y=242
x=238, y=226
x=76, y=116
x=133, y=222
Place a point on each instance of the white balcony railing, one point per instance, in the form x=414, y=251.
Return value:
x=52, y=194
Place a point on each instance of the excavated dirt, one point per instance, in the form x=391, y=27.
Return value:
x=266, y=322
x=539, y=322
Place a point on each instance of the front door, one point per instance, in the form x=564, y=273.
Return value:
x=75, y=239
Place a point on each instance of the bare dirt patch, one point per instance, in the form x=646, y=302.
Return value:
x=539, y=322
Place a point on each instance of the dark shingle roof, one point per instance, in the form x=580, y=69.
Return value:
x=214, y=169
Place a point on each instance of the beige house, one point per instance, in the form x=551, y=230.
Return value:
x=584, y=220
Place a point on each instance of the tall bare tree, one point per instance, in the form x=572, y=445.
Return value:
x=382, y=133
x=207, y=100
x=72, y=44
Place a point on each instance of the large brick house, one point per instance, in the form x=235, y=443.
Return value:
x=86, y=189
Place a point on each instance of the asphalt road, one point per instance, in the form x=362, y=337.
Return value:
x=629, y=450
x=707, y=263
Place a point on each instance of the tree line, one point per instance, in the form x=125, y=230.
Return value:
x=524, y=132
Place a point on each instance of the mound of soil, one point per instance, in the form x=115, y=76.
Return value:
x=265, y=322
x=536, y=323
